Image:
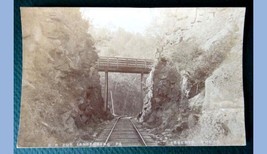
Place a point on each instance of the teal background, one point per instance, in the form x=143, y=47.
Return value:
x=247, y=61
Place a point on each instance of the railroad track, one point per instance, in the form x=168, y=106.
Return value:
x=123, y=132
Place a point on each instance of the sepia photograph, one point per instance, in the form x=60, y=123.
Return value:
x=120, y=77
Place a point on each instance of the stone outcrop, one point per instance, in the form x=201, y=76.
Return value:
x=61, y=95
x=195, y=89
x=222, y=119
x=166, y=95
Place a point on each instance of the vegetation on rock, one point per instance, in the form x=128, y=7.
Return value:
x=61, y=96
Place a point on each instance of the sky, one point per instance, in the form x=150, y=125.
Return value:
x=134, y=20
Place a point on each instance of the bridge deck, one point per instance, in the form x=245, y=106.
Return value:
x=124, y=65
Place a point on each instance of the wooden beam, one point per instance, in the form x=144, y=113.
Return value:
x=142, y=75
x=124, y=65
x=106, y=91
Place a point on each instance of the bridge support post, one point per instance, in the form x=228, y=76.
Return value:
x=142, y=76
x=106, y=91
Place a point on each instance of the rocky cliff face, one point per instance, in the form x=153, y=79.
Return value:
x=222, y=117
x=167, y=103
x=61, y=94
x=165, y=89
x=195, y=90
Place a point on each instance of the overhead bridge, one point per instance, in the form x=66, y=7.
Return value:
x=123, y=65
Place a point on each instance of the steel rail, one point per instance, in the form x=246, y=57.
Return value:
x=139, y=134
x=111, y=131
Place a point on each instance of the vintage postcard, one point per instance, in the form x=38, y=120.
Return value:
x=101, y=77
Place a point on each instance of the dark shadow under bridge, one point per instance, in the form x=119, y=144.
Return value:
x=123, y=65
